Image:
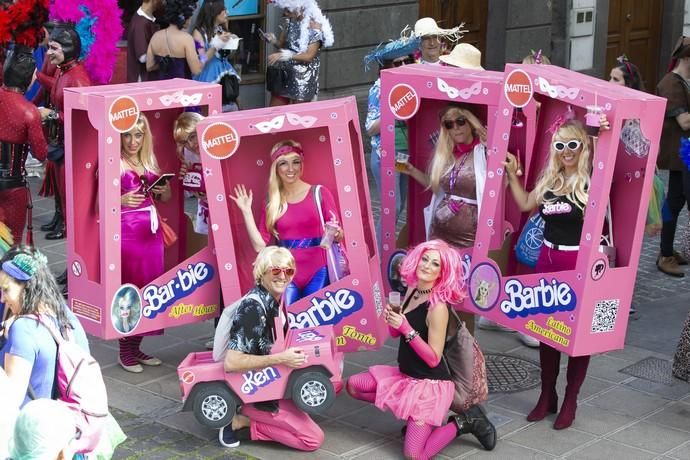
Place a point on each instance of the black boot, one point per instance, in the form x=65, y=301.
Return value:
x=475, y=421
x=58, y=233
x=57, y=218
x=62, y=279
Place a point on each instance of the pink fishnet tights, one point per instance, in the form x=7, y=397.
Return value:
x=422, y=441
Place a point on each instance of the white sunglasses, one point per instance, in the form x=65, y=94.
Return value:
x=572, y=145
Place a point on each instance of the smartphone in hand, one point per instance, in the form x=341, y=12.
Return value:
x=263, y=35
x=162, y=180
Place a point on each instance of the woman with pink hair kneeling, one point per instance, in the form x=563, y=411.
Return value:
x=420, y=390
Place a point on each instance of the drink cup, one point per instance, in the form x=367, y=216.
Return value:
x=401, y=160
x=394, y=301
x=328, y=234
x=593, y=115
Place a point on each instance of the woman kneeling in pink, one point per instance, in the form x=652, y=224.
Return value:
x=420, y=389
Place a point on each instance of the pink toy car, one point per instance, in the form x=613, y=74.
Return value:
x=213, y=394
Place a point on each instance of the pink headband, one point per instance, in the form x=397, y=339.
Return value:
x=284, y=150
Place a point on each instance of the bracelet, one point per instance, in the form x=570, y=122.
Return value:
x=410, y=337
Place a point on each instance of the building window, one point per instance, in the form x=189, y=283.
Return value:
x=246, y=18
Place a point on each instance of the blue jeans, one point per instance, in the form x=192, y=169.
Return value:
x=400, y=190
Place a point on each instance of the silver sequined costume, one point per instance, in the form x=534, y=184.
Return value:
x=303, y=78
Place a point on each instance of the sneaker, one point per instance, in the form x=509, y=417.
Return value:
x=528, y=341
x=134, y=368
x=489, y=325
x=227, y=437
x=669, y=265
x=147, y=360
x=679, y=258
x=150, y=361
x=209, y=344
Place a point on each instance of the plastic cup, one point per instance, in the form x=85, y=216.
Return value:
x=329, y=233
x=593, y=115
x=394, y=301
x=401, y=160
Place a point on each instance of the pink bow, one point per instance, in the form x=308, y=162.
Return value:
x=567, y=116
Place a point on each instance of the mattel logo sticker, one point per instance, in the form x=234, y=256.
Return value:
x=123, y=114
x=403, y=101
x=518, y=88
x=220, y=140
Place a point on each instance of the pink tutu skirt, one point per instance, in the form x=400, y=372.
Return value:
x=422, y=400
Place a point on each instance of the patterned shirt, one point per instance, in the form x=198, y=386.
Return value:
x=252, y=329
x=374, y=114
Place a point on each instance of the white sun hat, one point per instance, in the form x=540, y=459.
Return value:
x=428, y=26
x=464, y=56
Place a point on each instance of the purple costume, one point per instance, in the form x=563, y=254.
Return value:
x=141, y=236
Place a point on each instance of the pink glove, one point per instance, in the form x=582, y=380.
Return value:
x=393, y=332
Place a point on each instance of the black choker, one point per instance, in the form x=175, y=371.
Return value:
x=420, y=292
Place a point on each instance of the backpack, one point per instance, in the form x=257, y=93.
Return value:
x=79, y=384
x=465, y=362
x=222, y=335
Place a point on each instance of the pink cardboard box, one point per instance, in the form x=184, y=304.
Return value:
x=189, y=290
x=416, y=94
x=236, y=150
x=585, y=310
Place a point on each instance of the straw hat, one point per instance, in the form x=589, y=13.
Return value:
x=428, y=26
x=464, y=56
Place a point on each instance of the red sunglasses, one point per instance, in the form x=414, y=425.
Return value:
x=275, y=271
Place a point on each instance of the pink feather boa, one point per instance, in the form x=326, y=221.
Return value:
x=107, y=30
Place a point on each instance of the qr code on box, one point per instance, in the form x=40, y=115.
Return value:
x=605, y=312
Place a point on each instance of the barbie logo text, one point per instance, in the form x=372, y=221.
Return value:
x=557, y=208
x=331, y=310
x=543, y=298
x=159, y=298
x=253, y=380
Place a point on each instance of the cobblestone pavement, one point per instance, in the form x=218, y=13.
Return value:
x=626, y=410
x=149, y=440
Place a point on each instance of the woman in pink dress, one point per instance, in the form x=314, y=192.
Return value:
x=419, y=389
x=141, y=236
x=291, y=218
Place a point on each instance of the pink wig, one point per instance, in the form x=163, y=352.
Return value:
x=449, y=287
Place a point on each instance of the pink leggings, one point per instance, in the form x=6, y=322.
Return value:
x=422, y=441
x=289, y=426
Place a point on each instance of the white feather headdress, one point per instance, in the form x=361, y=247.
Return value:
x=311, y=12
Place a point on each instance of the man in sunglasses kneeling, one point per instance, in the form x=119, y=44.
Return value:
x=245, y=335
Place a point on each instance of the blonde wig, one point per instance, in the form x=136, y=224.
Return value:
x=444, y=159
x=553, y=178
x=276, y=204
x=184, y=126
x=145, y=155
x=271, y=256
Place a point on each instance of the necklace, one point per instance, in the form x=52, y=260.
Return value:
x=133, y=163
x=420, y=292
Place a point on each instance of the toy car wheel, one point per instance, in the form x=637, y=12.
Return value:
x=313, y=392
x=215, y=406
